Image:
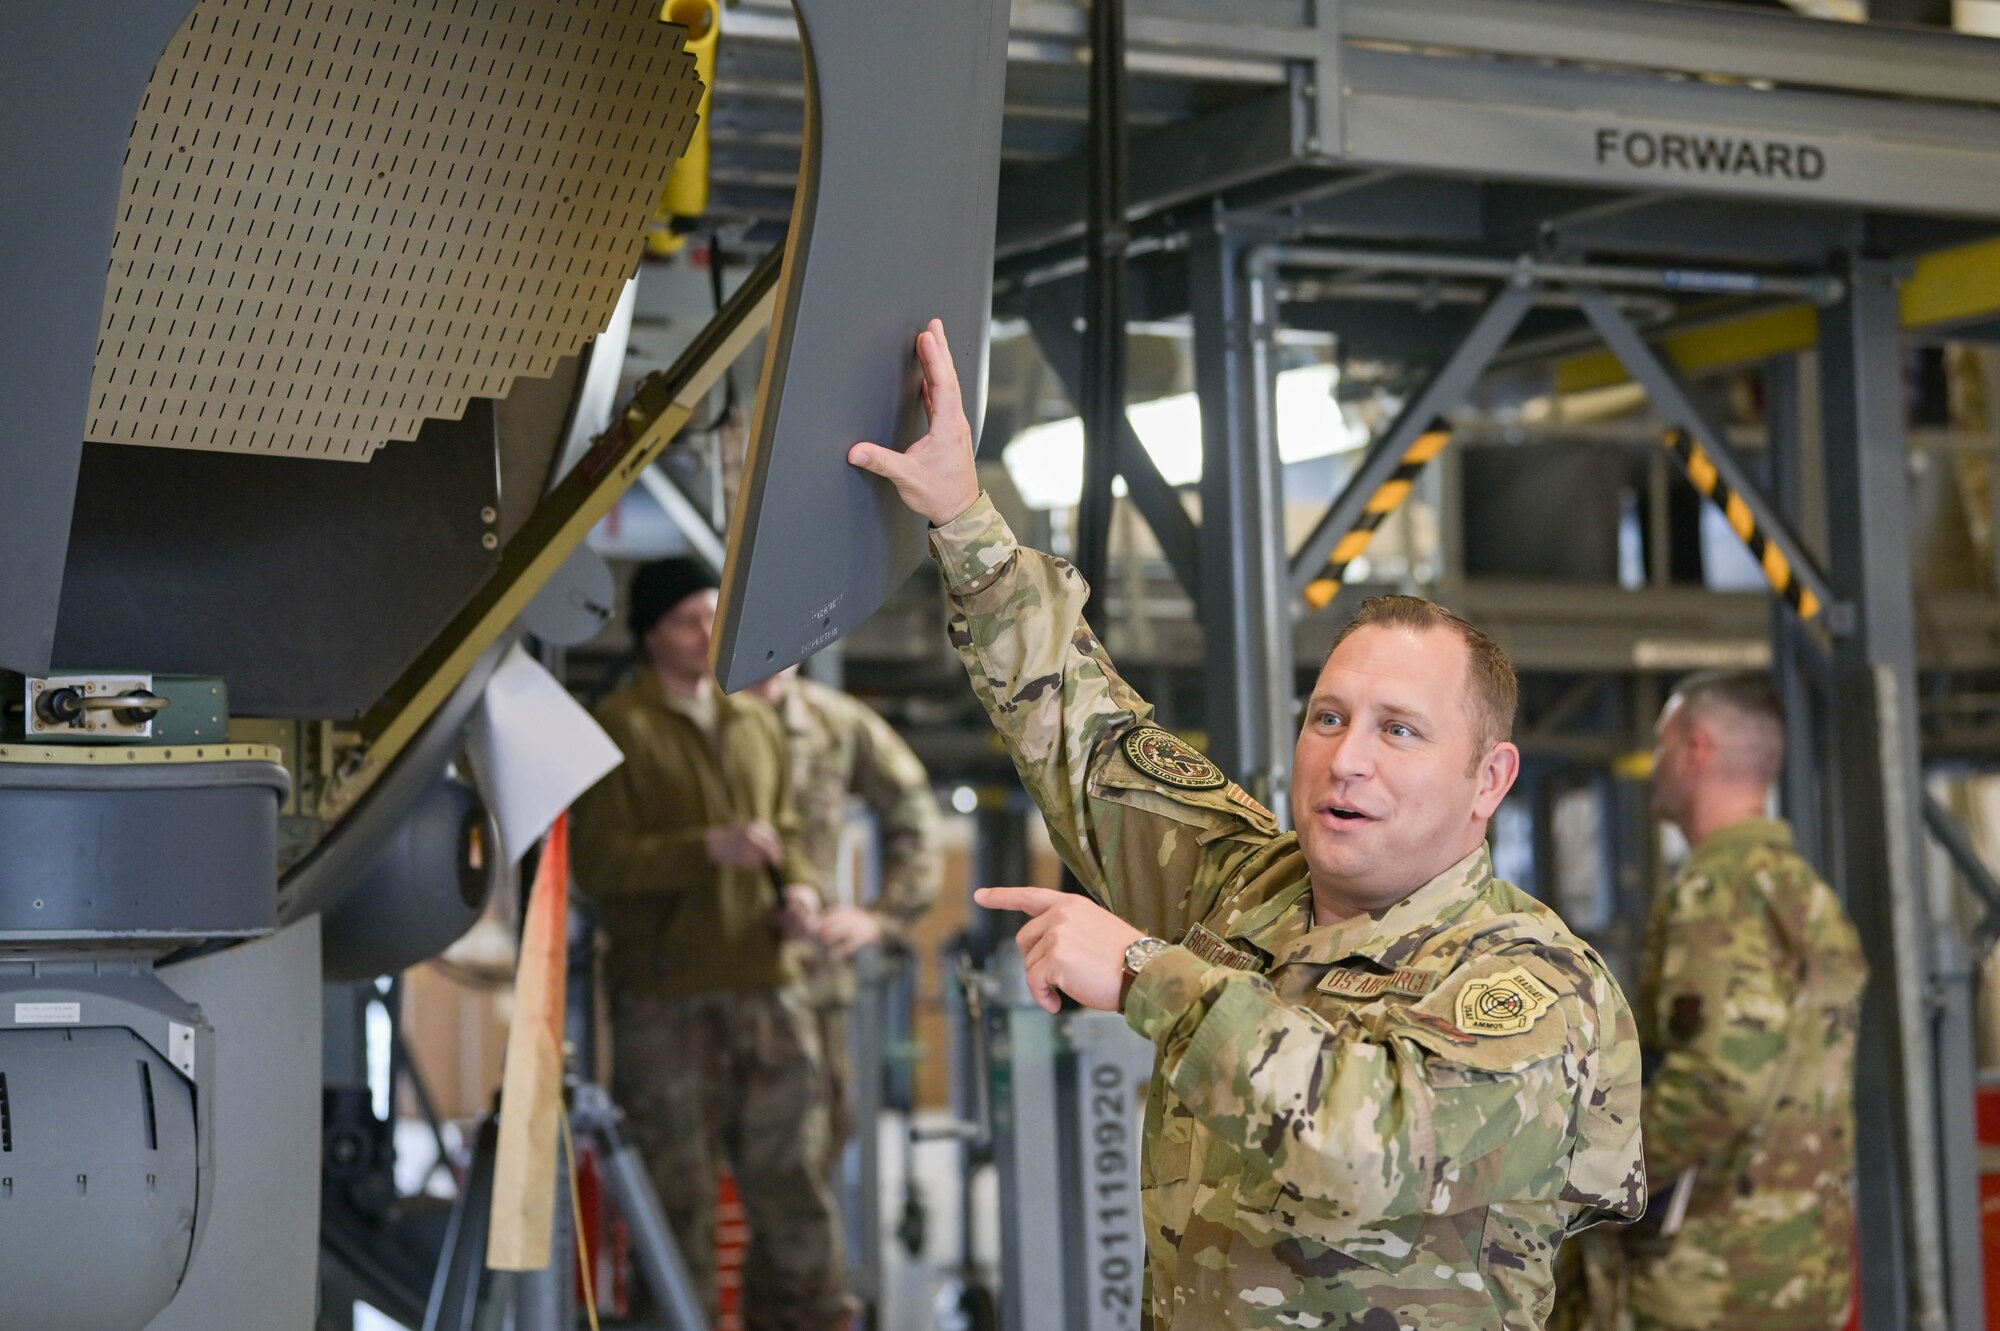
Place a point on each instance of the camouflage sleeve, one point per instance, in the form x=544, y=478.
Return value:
x=1144, y=851
x=619, y=851
x=798, y=866
x=1720, y=1013
x=1402, y=1114
x=893, y=783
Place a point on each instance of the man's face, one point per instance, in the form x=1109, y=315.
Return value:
x=1385, y=791
x=772, y=690
x=1673, y=765
x=678, y=643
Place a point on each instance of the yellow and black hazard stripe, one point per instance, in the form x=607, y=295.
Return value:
x=1386, y=500
x=1778, y=570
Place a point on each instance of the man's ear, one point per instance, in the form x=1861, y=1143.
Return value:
x=1498, y=771
x=1698, y=747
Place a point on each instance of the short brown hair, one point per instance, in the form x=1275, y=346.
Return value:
x=1496, y=691
x=1756, y=710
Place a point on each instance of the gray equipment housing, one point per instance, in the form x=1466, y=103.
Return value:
x=99, y=1160
x=105, y=1071
x=903, y=110
x=424, y=889
x=103, y=1141
x=170, y=853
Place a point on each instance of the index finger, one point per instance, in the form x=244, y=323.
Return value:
x=940, y=373
x=1027, y=900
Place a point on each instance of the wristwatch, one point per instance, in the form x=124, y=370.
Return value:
x=1138, y=954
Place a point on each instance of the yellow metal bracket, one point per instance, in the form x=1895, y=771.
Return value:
x=1778, y=571
x=686, y=191
x=1950, y=287
x=1388, y=497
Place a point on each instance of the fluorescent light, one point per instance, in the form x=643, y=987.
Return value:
x=1046, y=461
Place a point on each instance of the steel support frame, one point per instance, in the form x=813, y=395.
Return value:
x=1247, y=627
x=1052, y=321
x=1672, y=400
x=1916, y=1144
x=1445, y=389
x=1951, y=836
x=709, y=545
x=1800, y=665
x=1108, y=235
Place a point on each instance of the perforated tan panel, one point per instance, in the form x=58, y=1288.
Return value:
x=343, y=216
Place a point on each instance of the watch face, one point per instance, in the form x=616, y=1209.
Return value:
x=1140, y=952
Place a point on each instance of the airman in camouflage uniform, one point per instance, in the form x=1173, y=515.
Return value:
x=1748, y=1008
x=1362, y=1116
x=842, y=749
x=690, y=852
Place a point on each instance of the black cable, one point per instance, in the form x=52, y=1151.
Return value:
x=715, y=260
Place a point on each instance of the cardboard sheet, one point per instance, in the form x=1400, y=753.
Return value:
x=534, y=750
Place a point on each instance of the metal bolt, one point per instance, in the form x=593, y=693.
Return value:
x=489, y=514
x=490, y=541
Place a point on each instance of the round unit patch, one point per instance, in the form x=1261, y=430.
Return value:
x=1171, y=760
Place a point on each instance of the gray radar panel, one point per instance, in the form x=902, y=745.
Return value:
x=892, y=227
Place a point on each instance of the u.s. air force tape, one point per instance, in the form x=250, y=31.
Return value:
x=1171, y=761
x=1504, y=1004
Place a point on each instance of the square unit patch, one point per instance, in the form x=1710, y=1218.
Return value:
x=1505, y=1004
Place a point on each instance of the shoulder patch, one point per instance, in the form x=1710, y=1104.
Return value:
x=1506, y=1004
x=1216, y=952
x=1171, y=760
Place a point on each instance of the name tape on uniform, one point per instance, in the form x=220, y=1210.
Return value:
x=1506, y=1004
x=1410, y=982
x=1213, y=950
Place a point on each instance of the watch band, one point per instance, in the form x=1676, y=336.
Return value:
x=1137, y=954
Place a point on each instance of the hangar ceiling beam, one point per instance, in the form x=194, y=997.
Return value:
x=1693, y=38
x=1951, y=287
x=1042, y=206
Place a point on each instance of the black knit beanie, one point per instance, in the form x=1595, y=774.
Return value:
x=663, y=584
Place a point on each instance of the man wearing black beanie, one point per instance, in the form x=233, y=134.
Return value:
x=691, y=851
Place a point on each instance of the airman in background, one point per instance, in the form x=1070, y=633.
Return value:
x=692, y=853
x=842, y=750
x=1749, y=1007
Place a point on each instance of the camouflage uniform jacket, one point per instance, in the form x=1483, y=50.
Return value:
x=841, y=748
x=678, y=923
x=1748, y=1007
x=1387, y=1122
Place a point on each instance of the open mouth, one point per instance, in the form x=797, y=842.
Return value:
x=1344, y=813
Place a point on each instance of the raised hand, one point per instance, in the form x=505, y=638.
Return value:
x=935, y=476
